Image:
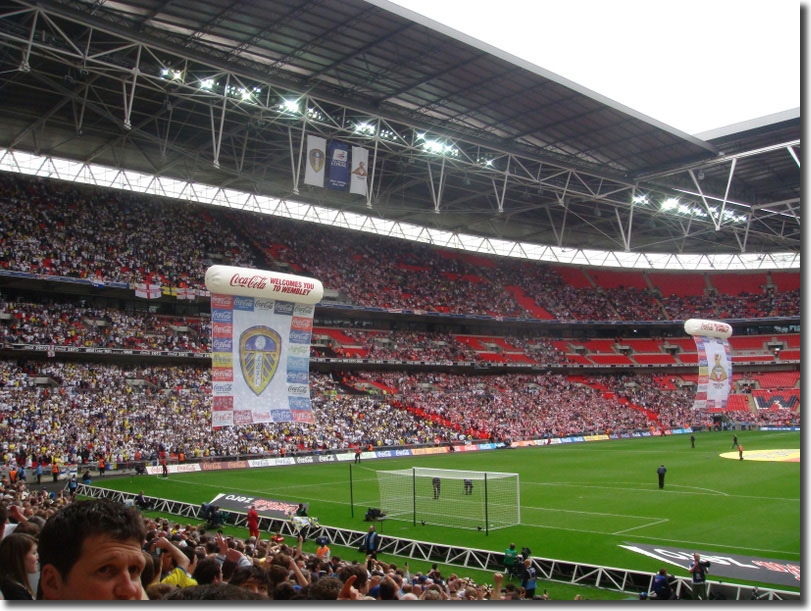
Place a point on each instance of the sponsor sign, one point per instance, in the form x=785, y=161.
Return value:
x=270, y=508
x=750, y=568
x=222, y=466
x=184, y=468
x=426, y=451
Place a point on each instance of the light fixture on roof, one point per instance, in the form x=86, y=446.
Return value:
x=290, y=106
x=207, y=84
x=671, y=203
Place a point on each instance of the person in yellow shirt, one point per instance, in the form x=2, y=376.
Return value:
x=174, y=564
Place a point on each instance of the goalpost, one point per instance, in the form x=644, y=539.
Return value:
x=478, y=500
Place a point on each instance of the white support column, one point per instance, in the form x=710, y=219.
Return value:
x=793, y=154
x=216, y=134
x=129, y=99
x=370, y=187
x=24, y=65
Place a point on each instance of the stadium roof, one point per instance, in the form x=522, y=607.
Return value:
x=464, y=137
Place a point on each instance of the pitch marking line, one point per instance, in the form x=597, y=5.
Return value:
x=627, y=530
x=710, y=491
x=591, y=513
x=531, y=525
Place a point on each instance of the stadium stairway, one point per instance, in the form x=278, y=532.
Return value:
x=528, y=303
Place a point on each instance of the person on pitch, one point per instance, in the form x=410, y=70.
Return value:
x=436, y=483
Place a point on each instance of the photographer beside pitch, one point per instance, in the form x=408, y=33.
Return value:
x=698, y=569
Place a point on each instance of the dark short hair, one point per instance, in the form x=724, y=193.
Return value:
x=62, y=537
x=326, y=588
x=208, y=569
x=214, y=591
x=246, y=573
x=354, y=569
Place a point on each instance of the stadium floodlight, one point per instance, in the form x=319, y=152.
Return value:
x=475, y=500
x=670, y=203
x=290, y=106
x=207, y=84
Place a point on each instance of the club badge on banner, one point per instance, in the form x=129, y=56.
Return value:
x=714, y=373
x=314, y=172
x=714, y=362
x=360, y=170
x=260, y=360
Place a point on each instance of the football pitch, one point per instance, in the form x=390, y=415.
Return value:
x=579, y=502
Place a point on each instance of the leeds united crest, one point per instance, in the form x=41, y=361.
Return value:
x=317, y=159
x=259, y=349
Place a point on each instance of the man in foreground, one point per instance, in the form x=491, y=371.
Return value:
x=91, y=550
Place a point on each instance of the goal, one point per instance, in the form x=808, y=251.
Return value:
x=478, y=500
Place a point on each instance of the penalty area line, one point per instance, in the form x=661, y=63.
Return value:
x=627, y=530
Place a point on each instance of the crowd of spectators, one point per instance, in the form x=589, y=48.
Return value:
x=49, y=227
x=81, y=412
x=71, y=324
x=56, y=228
x=159, y=559
x=68, y=324
x=515, y=406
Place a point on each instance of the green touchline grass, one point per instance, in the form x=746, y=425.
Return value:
x=579, y=502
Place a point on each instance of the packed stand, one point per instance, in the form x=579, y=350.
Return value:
x=94, y=411
x=55, y=228
x=67, y=324
x=512, y=406
x=48, y=227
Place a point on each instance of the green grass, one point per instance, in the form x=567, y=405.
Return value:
x=579, y=501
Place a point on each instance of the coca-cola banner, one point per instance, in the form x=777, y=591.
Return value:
x=261, y=328
x=260, y=355
x=229, y=280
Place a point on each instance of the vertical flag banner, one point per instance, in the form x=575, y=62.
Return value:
x=714, y=362
x=260, y=345
x=316, y=161
x=338, y=166
x=360, y=170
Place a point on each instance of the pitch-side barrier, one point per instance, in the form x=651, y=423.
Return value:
x=576, y=573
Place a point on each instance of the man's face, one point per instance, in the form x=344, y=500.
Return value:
x=107, y=569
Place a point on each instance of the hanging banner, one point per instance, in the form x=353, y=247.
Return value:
x=714, y=362
x=145, y=290
x=360, y=170
x=260, y=346
x=338, y=166
x=316, y=161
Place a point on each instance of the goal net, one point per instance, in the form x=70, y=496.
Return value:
x=479, y=500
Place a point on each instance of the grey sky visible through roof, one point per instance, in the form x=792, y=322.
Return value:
x=694, y=65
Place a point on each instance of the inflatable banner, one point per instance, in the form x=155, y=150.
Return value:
x=714, y=362
x=260, y=346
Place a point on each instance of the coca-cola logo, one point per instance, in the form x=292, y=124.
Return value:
x=250, y=282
